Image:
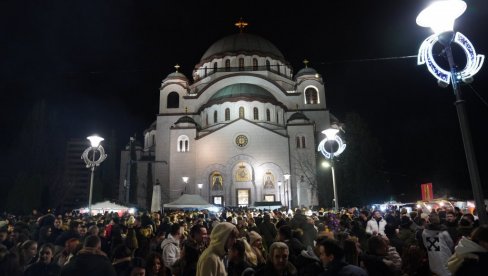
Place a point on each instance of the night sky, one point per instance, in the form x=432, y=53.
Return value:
x=99, y=64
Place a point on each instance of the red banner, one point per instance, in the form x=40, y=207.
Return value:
x=427, y=192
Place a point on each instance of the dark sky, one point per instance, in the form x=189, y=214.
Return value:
x=99, y=65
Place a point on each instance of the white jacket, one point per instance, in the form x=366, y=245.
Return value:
x=378, y=226
x=171, y=251
x=439, y=247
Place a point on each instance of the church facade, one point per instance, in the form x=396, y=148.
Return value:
x=244, y=130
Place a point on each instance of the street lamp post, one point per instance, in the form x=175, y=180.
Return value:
x=185, y=180
x=440, y=16
x=331, y=135
x=93, y=162
x=287, y=190
x=200, y=186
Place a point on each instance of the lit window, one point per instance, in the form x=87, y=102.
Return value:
x=183, y=144
x=227, y=114
x=173, y=100
x=311, y=96
x=255, y=64
x=215, y=116
x=241, y=112
x=256, y=113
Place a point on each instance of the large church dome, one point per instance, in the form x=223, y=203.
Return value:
x=242, y=43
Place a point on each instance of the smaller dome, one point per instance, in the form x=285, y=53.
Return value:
x=306, y=71
x=176, y=75
x=242, y=90
x=297, y=116
x=185, y=119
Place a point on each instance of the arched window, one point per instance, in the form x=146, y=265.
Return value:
x=227, y=114
x=277, y=117
x=241, y=112
x=183, y=144
x=297, y=140
x=215, y=116
x=255, y=64
x=303, y=141
x=268, y=65
x=153, y=140
x=256, y=113
x=311, y=96
x=278, y=67
x=241, y=64
x=268, y=115
x=227, y=65
x=206, y=119
x=215, y=67
x=173, y=100
x=205, y=69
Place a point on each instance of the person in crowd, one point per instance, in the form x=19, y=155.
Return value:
x=73, y=232
x=121, y=259
x=393, y=239
x=27, y=253
x=465, y=226
x=415, y=261
x=376, y=259
x=71, y=247
x=295, y=247
x=90, y=260
x=471, y=255
x=438, y=244
x=222, y=238
x=137, y=267
x=376, y=225
x=57, y=228
x=331, y=255
x=154, y=265
x=452, y=226
x=406, y=234
x=171, y=246
x=45, y=235
x=198, y=237
x=256, y=242
x=44, y=265
x=9, y=263
x=363, y=218
x=267, y=230
x=277, y=263
x=238, y=264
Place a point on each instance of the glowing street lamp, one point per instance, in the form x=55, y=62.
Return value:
x=440, y=16
x=185, y=180
x=93, y=162
x=200, y=186
x=330, y=136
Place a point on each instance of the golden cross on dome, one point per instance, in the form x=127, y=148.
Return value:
x=241, y=24
x=305, y=61
x=177, y=66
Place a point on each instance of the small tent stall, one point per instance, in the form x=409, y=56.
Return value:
x=187, y=201
x=107, y=206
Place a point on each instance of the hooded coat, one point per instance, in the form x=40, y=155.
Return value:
x=465, y=250
x=439, y=247
x=210, y=262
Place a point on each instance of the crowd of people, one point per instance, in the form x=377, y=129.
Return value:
x=245, y=242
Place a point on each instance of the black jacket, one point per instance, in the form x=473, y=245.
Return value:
x=88, y=264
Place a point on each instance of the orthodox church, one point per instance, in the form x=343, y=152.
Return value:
x=245, y=129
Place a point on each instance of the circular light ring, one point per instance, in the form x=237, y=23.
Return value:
x=330, y=155
x=473, y=63
x=93, y=163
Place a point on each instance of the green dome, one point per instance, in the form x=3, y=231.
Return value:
x=298, y=116
x=242, y=91
x=186, y=119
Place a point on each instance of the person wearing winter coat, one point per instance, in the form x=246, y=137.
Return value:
x=267, y=230
x=277, y=263
x=376, y=225
x=471, y=255
x=438, y=244
x=332, y=257
x=171, y=246
x=91, y=260
x=222, y=238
